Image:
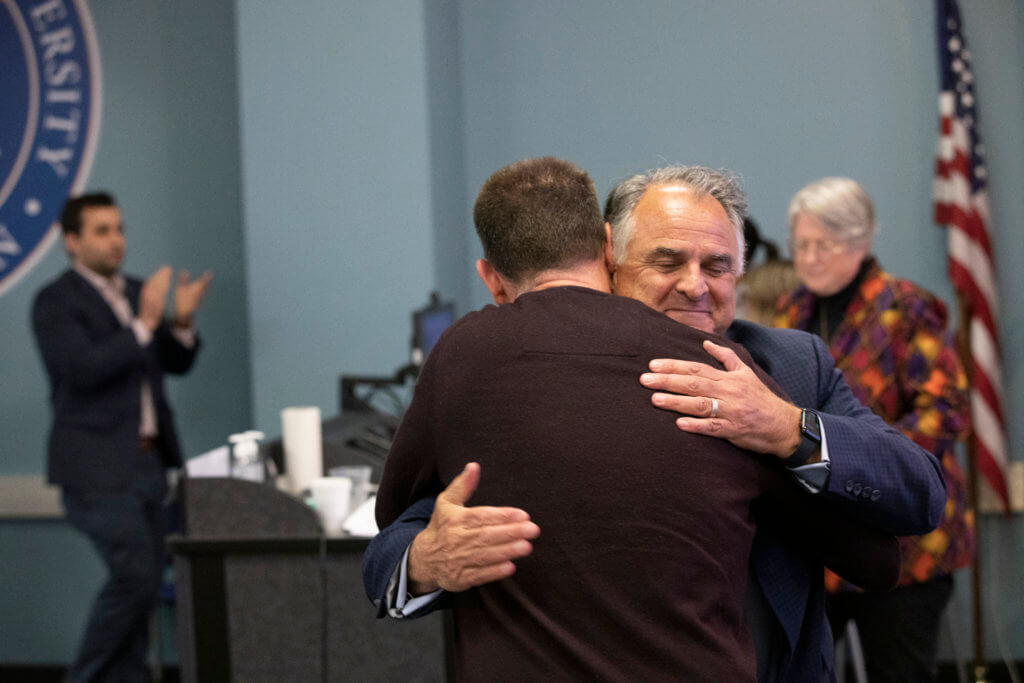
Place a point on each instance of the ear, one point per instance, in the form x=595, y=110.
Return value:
x=494, y=282
x=864, y=249
x=71, y=243
x=609, y=255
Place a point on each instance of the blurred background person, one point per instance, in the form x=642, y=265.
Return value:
x=763, y=283
x=889, y=338
x=106, y=345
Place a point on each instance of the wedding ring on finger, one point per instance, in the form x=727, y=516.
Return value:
x=714, y=408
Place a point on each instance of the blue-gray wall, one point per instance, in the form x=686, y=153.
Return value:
x=367, y=128
x=337, y=188
x=782, y=93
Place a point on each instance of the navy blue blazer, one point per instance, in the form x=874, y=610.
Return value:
x=96, y=368
x=866, y=454
x=879, y=476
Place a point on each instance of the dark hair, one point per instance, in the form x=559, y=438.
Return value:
x=71, y=214
x=538, y=214
x=754, y=241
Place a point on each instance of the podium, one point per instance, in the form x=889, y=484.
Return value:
x=262, y=595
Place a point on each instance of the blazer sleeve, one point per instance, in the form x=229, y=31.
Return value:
x=863, y=555
x=74, y=355
x=906, y=494
x=384, y=555
x=175, y=357
x=878, y=474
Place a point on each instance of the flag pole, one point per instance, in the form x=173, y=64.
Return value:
x=979, y=669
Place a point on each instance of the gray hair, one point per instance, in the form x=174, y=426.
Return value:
x=722, y=186
x=842, y=206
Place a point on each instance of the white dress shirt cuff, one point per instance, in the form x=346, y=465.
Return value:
x=186, y=336
x=143, y=334
x=400, y=604
x=814, y=477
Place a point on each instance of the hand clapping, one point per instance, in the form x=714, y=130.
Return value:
x=188, y=295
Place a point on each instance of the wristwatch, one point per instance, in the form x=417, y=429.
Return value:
x=810, y=439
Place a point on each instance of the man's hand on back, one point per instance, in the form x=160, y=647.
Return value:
x=749, y=414
x=464, y=546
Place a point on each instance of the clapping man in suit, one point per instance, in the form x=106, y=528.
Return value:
x=106, y=344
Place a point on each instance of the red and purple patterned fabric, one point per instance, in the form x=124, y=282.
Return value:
x=898, y=358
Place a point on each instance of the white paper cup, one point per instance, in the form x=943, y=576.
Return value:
x=331, y=497
x=360, y=476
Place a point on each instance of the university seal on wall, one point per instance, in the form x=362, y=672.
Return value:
x=49, y=122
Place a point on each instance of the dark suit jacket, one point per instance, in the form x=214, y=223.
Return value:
x=878, y=476
x=864, y=451
x=96, y=368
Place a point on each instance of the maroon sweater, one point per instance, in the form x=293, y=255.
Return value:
x=641, y=566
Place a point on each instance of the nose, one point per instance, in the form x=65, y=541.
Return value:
x=691, y=282
x=810, y=254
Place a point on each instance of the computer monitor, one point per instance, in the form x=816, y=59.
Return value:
x=428, y=324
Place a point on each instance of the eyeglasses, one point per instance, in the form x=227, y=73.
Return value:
x=822, y=247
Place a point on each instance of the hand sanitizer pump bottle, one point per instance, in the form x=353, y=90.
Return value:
x=245, y=456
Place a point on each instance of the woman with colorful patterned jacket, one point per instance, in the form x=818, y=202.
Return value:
x=889, y=338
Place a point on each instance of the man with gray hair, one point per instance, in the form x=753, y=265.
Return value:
x=563, y=453
x=681, y=228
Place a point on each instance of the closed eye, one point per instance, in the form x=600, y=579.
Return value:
x=665, y=259
x=719, y=265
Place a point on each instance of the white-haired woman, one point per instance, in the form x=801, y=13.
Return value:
x=889, y=338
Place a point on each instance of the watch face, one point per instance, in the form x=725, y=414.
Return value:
x=810, y=425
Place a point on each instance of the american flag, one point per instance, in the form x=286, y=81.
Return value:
x=961, y=204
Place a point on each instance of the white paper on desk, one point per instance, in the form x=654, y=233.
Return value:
x=215, y=463
x=362, y=522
